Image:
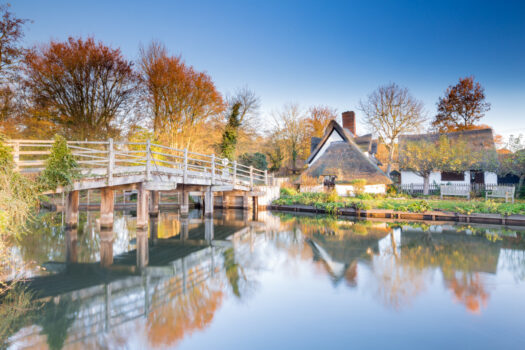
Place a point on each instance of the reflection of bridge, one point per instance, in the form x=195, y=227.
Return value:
x=129, y=286
x=147, y=168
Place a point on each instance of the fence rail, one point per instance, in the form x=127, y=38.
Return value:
x=112, y=159
x=434, y=189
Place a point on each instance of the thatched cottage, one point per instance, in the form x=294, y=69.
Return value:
x=340, y=159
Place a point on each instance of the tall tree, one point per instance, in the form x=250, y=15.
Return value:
x=462, y=106
x=11, y=51
x=180, y=100
x=81, y=86
x=290, y=133
x=389, y=112
x=318, y=118
x=241, y=123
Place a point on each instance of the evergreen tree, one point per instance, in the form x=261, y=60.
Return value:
x=229, y=137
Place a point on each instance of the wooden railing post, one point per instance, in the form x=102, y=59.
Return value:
x=234, y=172
x=185, y=166
x=16, y=154
x=111, y=161
x=266, y=177
x=251, y=176
x=212, y=169
x=148, y=160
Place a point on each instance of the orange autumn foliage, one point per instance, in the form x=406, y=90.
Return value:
x=183, y=314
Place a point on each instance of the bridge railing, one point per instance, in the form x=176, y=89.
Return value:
x=110, y=159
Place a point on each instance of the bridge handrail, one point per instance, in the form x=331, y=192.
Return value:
x=109, y=158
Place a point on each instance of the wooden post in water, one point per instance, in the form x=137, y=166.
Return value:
x=107, y=203
x=72, y=209
x=184, y=202
x=142, y=207
x=154, y=203
x=142, y=248
x=208, y=202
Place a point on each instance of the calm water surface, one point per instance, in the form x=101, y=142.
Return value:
x=278, y=282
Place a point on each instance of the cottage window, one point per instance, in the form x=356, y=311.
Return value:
x=452, y=176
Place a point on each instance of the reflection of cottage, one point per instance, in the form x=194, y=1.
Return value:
x=482, y=139
x=340, y=157
x=341, y=252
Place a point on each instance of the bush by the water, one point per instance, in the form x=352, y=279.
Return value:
x=415, y=205
x=61, y=167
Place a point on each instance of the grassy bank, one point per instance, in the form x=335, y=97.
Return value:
x=331, y=202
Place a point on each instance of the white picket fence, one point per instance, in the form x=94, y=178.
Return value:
x=434, y=189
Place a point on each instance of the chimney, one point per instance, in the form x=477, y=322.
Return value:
x=349, y=121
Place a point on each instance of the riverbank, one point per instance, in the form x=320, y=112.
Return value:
x=475, y=211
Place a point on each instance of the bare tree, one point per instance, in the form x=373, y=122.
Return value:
x=290, y=130
x=389, y=112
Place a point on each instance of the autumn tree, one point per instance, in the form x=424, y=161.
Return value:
x=82, y=86
x=390, y=111
x=424, y=156
x=462, y=106
x=514, y=162
x=318, y=118
x=11, y=51
x=179, y=99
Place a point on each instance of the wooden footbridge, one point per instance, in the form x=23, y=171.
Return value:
x=147, y=168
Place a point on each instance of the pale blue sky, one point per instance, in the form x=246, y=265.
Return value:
x=317, y=52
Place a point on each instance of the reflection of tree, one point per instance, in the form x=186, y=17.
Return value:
x=184, y=314
x=16, y=311
x=469, y=290
x=56, y=319
x=234, y=272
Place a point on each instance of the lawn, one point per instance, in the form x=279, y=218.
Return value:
x=331, y=202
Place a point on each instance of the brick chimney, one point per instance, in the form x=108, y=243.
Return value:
x=349, y=121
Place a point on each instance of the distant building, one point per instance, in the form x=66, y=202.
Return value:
x=480, y=139
x=340, y=157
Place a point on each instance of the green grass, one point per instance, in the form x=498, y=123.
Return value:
x=331, y=202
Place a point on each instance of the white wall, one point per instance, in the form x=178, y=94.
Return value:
x=408, y=177
x=348, y=190
x=334, y=137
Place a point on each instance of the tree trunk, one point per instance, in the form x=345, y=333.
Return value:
x=426, y=183
x=390, y=159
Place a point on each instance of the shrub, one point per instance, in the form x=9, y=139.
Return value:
x=286, y=191
x=6, y=157
x=359, y=186
x=60, y=166
x=333, y=197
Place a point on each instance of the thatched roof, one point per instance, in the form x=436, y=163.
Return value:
x=364, y=142
x=479, y=139
x=333, y=126
x=345, y=160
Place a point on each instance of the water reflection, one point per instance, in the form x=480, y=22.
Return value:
x=189, y=275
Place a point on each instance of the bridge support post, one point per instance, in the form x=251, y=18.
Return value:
x=184, y=203
x=142, y=207
x=208, y=202
x=107, y=202
x=106, y=247
x=154, y=203
x=142, y=248
x=71, y=245
x=208, y=229
x=184, y=228
x=72, y=209
x=246, y=201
